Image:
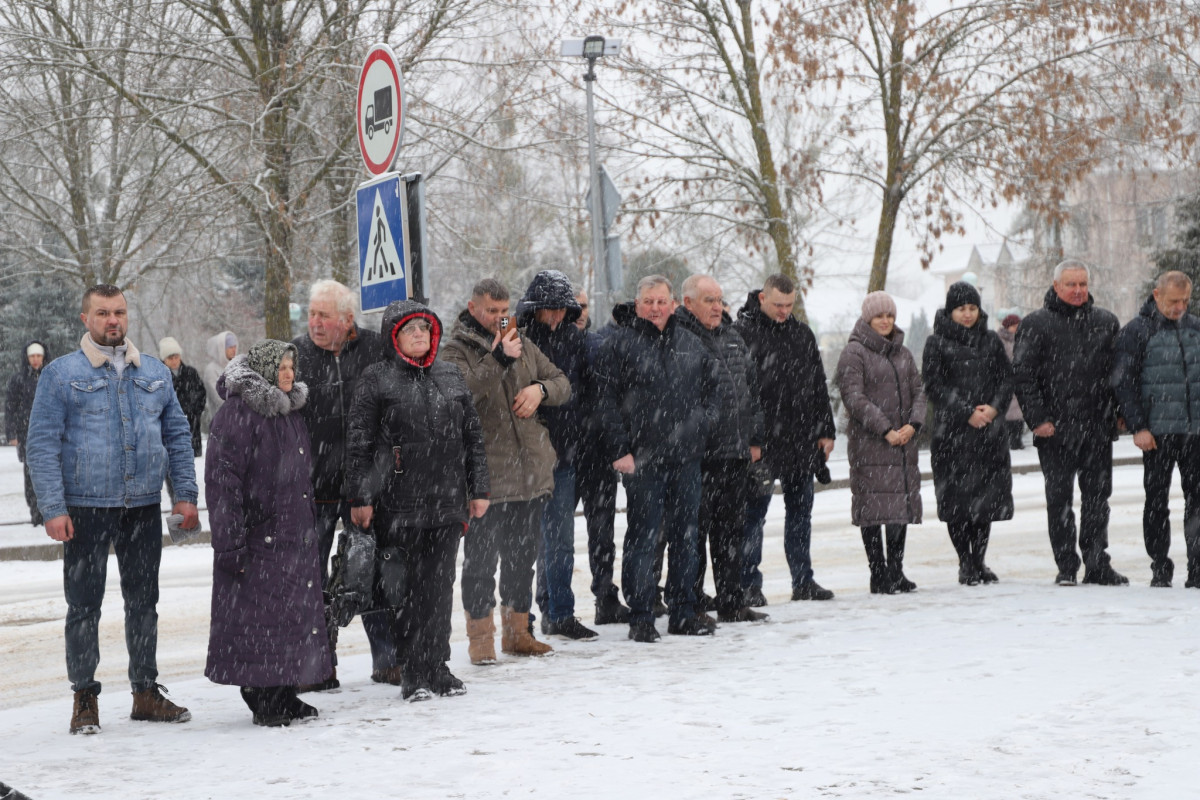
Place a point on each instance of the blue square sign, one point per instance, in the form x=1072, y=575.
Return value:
x=382, y=243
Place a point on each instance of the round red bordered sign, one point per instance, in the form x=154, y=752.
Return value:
x=381, y=109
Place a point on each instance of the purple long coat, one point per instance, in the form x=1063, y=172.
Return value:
x=882, y=391
x=268, y=623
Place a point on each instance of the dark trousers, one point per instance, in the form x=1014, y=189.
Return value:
x=1158, y=466
x=1091, y=460
x=662, y=497
x=596, y=485
x=508, y=533
x=35, y=516
x=420, y=624
x=797, y=532
x=970, y=540
x=136, y=536
x=724, y=492
x=375, y=622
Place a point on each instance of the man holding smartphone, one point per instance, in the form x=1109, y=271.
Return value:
x=509, y=379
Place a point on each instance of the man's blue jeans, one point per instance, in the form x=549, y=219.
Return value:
x=797, y=533
x=556, y=555
x=136, y=536
x=666, y=496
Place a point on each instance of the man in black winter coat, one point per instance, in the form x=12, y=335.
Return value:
x=656, y=386
x=1156, y=377
x=547, y=315
x=332, y=356
x=799, y=432
x=736, y=441
x=18, y=401
x=1062, y=360
x=596, y=482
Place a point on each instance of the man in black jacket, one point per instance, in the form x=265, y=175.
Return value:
x=1156, y=377
x=333, y=354
x=189, y=388
x=18, y=401
x=799, y=432
x=1062, y=360
x=655, y=391
x=736, y=441
x=547, y=315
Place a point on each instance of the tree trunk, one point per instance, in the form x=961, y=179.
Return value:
x=889, y=213
x=778, y=227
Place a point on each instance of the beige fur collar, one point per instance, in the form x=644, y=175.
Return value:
x=98, y=359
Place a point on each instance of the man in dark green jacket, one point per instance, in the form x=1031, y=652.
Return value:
x=1156, y=379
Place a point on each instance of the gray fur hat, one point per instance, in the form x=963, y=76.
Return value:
x=265, y=356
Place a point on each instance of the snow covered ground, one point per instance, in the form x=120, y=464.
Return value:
x=1018, y=690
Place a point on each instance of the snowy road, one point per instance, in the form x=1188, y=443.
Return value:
x=1022, y=689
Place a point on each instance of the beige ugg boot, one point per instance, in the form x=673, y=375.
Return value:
x=481, y=635
x=515, y=638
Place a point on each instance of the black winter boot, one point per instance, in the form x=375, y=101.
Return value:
x=968, y=570
x=896, y=534
x=296, y=708
x=979, y=546
x=881, y=579
x=268, y=705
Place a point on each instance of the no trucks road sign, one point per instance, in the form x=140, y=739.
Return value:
x=381, y=109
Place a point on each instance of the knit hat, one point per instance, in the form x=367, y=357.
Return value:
x=231, y=339
x=961, y=294
x=35, y=349
x=877, y=303
x=265, y=356
x=1010, y=320
x=167, y=347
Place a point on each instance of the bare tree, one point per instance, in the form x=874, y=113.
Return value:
x=715, y=124
x=91, y=193
x=943, y=104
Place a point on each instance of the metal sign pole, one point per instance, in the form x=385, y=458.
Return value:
x=602, y=294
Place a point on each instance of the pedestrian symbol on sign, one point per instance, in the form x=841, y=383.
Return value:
x=385, y=263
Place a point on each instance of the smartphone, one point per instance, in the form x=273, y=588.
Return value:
x=504, y=324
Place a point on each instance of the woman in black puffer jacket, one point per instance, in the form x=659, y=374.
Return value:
x=969, y=380
x=415, y=472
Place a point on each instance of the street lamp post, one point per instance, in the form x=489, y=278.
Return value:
x=591, y=48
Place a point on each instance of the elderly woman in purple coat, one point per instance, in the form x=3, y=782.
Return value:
x=268, y=623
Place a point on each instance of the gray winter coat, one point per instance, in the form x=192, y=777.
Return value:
x=1156, y=373
x=268, y=620
x=881, y=389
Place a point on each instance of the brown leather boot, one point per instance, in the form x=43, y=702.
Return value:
x=390, y=675
x=85, y=718
x=151, y=706
x=481, y=635
x=515, y=638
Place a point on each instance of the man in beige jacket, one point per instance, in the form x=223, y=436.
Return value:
x=509, y=379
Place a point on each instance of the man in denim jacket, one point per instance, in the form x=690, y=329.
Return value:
x=104, y=430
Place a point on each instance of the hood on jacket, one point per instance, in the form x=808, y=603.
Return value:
x=868, y=337
x=944, y=325
x=24, y=364
x=624, y=314
x=398, y=314
x=215, y=347
x=690, y=321
x=1052, y=302
x=551, y=289
x=1149, y=310
x=256, y=392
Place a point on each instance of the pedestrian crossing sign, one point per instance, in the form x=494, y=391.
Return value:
x=383, y=245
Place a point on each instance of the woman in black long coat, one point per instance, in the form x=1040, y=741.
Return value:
x=268, y=621
x=415, y=473
x=969, y=380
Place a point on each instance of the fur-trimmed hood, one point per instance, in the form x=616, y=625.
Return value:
x=262, y=397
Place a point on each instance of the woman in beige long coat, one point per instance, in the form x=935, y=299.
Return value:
x=881, y=389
